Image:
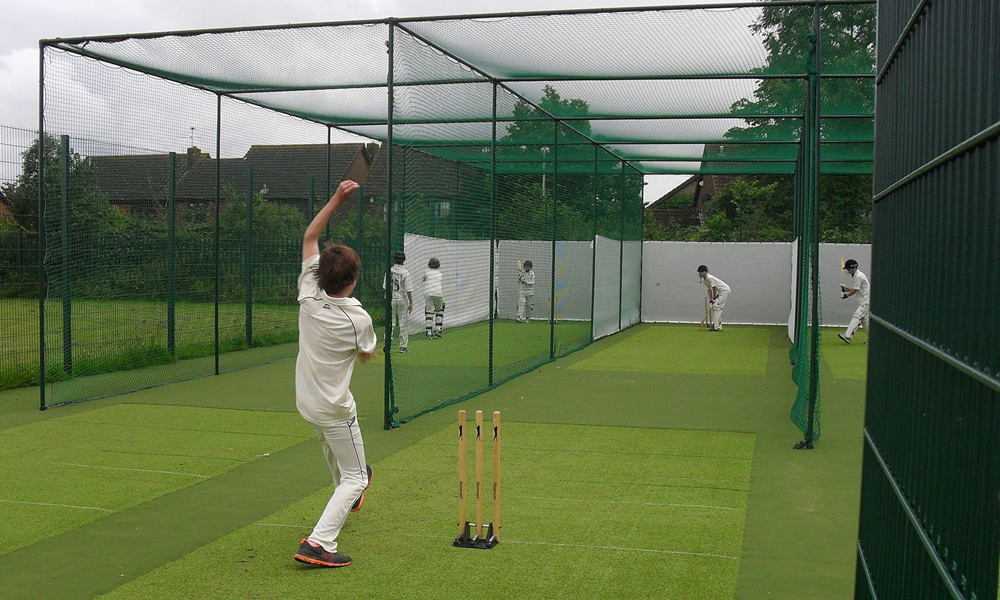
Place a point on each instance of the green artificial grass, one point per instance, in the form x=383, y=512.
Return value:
x=685, y=349
x=620, y=512
x=65, y=472
x=847, y=361
x=800, y=529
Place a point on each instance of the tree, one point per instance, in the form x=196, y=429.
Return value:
x=847, y=46
x=90, y=211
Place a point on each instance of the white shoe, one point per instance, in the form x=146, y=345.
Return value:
x=846, y=339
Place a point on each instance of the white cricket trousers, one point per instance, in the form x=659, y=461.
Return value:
x=525, y=306
x=399, y=320
x=860, y=316
x=345, y=455
x=720, y=301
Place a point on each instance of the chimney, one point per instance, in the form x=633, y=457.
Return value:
x=194, y=154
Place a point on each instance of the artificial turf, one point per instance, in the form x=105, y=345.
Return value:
x=620, y=512
x=685, y=349
x=800, y=527
x=65, y=472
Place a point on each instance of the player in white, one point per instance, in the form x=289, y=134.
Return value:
x=856, y=285
x=526, y=302
x=402, y=298
x=333, y=331
x=718, y=292
x=433, y=299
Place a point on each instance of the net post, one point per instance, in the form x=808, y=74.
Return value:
x=552, y=269
x=218, y=201
x=359, y=236
x=593, y=253
x=493, y=229
x=311, y=208
x=171, y=254
x=248, y=260
x=621, y=242
x=329, y=180
x=67, y=282
x=41, y=227
x=814, y=167
x=387, y=300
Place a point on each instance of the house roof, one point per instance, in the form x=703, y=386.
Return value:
x=420, y=172
x=286, y=170
x=198, y=182
x=133, y=180
x=677, y=190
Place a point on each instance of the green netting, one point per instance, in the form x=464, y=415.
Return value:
x=516, y=137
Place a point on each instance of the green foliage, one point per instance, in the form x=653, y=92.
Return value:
x=271, y=221
x=651, y=228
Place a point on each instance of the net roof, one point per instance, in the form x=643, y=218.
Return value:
x=711, y=89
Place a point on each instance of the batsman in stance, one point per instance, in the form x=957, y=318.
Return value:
x=333, y=331
x=856, y=284
x=718, y=292
x=526, y=303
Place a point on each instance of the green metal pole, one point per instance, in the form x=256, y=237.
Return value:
x=329, y=176
x=359, y=237
x=593, y=254
x=312, y=199
x=552, y=286
x=218, y=200
x=171, y=256
x=642, y=236
x=493, y=229
x=387, y=306
x=621, y=243
x=41, y=227
x=248, y=260
x=814, y=158
x=67, y=280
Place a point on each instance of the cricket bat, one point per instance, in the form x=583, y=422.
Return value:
x=520, y=268
x=704, y=319
x=842, y=273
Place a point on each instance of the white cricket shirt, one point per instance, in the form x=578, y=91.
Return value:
x=713, y=281
x=527, y=280
x=331, y=331
x=400, y=282
x=432, y=282
x=859, y=281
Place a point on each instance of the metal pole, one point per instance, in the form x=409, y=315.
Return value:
x=329, y=183
x=248, y=260
x=41, y=226
x=621, y=243
x=552, y=286
x=312, y=199
x=642, y=236
x=67, y=281
x=359, y=237
x=593, y=253
x=388, y=408
x=814, y=158
x=171, y=258
x=218, y=200
x=493, y=229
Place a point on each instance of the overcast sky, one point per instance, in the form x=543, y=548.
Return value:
x=22, y=24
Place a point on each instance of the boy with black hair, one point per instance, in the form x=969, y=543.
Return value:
x=433, y=299
x=334, y=330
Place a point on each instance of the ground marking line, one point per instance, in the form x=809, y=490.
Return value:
x=59, y=505
x=669, y=485
x=579, y=451
x=195, y=430
x=638, y=503
x=705, y=554
x=282, y=525
x=136, y=470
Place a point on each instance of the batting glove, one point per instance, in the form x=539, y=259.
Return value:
x=844, y=296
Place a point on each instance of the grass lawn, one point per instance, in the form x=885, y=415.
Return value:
x=113, y=335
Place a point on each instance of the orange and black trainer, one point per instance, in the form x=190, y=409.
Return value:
x=316, y=555
x=361, y=500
